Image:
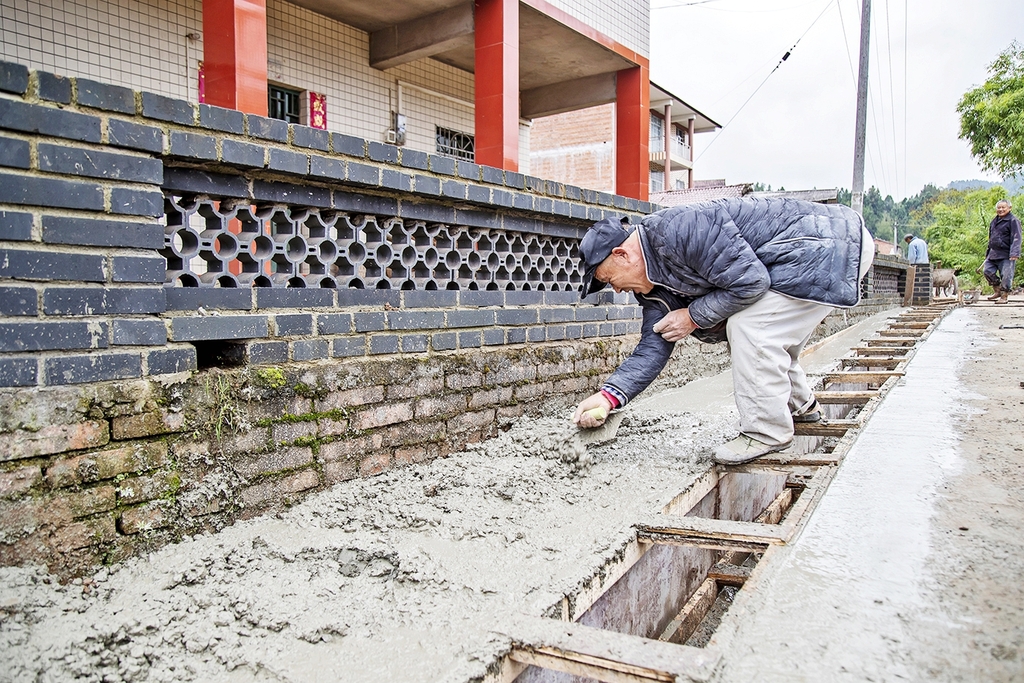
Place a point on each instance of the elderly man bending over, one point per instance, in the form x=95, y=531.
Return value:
x=767, y=270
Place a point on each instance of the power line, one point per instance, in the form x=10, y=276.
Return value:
x=784, y=58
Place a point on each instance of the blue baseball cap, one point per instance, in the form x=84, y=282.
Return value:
x=595, y=247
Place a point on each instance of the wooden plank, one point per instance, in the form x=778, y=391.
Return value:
x=825, y=427
x=857, y=377
x=693, y=612
x=908, y=289
x=910, y=325
x=883, y=350
x=777, y=461
x=726, y=574
x=605, y=655
x=872, y=362
x=892, y=341
x=708, y=533
x=775, y=511
x=901, y=333
x=849, y=398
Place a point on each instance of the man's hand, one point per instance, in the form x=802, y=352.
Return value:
x=588, y=420
x=676, y=325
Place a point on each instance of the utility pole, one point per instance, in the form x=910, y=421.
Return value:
x=857, y=193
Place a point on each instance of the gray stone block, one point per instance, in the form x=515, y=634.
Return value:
x=18, y=372
x=490, y=174
x=573, y=193
x=479, y=193
x=205, y=182
x=131, y=332
x=53, y=88
x=287, y=193
x=383, y=343
x=45, y=265
x=14, y=153
x=102, y=233
x=502, y=198
x=104, y=96
x=478, y=219
x=135, y=136
x=18, y=301
x=453, y=188
x=521, y=200
x=349, y=145
x=211, y=298
x=13, y=78
x=363, y=174
x=412, y=158
x=415, y=320
x=368, y=297
x=472, y=318
x=467, y=169
x=167, y=109
x=578, y=211
x=563, y=298
x=591, y=330
x=267, y=128
x=171, y=360
x=543, y=204
x=327, y=167
x=344, y=347
x=591, y=313
x=481, y=298
x=193, y=145
x=444, y=341
x=494, y=336
x=310, y=349
x=15, y=225
x=607, y=329
x=384, y=153
x=361, y=203
x=288, y=162
x=396, y=180
x=428, y=185
x=557, y=315
x=573, y=331
x=515, y=180
x=37, y=118
x=441, y=298
x=52, y=336
x=535, y=334
x=243, y=154
x=442, y=165
x=311, y=138
x=370, y=322
x=334, y=323
x=293, y=297
x=556, y=332
x=515, y=335
x=131, y=202
x=414, y=343
x=139, y=269
x=103, y=300
x=219, y=118
x=427, y=212
x=50, y=192
x=209, y=328
x=560, y=208
x=469, y=340
x=516, y=316
x=266, y=352
x=293, y=325
x=516, y=298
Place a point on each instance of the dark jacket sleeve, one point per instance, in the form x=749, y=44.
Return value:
x=719, y=254
x=647, y=360
x=1015, y=238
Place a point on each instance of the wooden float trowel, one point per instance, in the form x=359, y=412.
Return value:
x=604, y=433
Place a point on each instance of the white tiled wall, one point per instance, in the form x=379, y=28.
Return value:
x=626, y=21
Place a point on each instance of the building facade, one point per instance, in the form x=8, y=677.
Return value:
x=407, y=72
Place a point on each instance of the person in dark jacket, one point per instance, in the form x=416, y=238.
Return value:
x=1002, y=253
x=762, y=273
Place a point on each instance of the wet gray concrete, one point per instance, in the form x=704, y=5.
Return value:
x=874, y=588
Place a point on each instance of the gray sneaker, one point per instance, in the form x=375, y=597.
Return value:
x=812, y=414
x=744, y=449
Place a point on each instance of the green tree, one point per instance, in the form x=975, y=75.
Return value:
x=992, y=114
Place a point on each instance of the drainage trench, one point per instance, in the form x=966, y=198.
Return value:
x=649, y=613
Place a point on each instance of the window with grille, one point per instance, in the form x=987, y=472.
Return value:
x=284, y=103
x=455, y=144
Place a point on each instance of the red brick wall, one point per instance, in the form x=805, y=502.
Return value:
x=576, y=148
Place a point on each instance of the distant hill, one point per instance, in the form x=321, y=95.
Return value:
x=1014, y=185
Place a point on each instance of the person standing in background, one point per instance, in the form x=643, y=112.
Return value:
x=1003, y=252
x=917, y=250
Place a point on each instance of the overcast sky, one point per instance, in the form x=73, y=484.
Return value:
x=798, y=129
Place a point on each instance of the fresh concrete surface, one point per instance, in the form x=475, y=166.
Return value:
x=911, y=567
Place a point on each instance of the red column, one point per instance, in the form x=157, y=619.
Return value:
x=497, y=83
x=632, y=133
x=235, y=54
